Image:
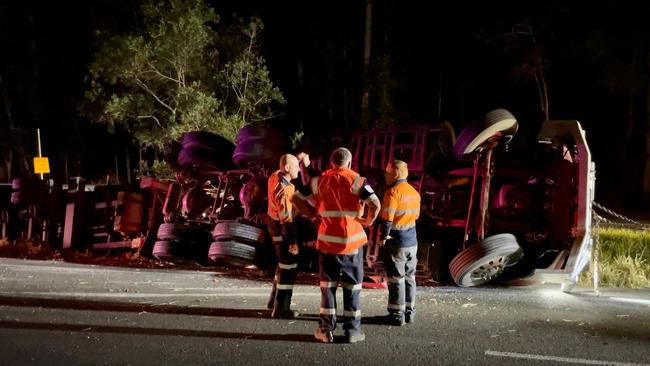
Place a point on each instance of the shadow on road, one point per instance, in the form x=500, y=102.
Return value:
x=376, y=320
x=369, y=320
x=155, y=331
x=155, y=309
x=137, y=308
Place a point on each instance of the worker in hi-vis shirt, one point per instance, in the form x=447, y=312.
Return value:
x=400, y=210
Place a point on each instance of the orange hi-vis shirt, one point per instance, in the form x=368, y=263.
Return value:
x=279, y=198
x=400, y=210
x=336, y=193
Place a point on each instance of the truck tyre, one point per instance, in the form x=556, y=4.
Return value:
x=227, y=230
x=231, y=253
x=207, y=140
x=202, y=159
x=259, y=151
x=482, y=262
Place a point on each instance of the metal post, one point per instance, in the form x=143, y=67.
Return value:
x=595, y=250
x=216, y=199
x=38, y=139
x=30, y=223
x=225, y=191
x=471, y=198
x=481, y=221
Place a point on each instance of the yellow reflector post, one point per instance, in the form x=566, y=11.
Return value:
x=41, y=165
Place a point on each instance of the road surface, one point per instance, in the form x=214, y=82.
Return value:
x=54, y=313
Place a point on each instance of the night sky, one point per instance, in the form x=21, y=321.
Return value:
x=595, y=57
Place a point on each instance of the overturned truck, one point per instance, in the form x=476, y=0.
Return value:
x=486, y=213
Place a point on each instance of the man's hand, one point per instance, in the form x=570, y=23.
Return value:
x=293, y=249
x=304, y=159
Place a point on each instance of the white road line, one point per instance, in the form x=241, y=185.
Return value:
x=631, y=300
x=582, y=361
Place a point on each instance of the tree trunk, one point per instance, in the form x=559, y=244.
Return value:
x=36, y=105
x=117, y=165
x=365, y=97
x=439, y=104
x=8, y=165
x=66, y=171
x=6, y=102
x=539, y=76
x=301, y=92
x=623, y=184
x=127, y=158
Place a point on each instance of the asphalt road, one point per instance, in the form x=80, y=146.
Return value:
x=64, y=314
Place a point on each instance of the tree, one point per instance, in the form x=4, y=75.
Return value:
x=365, y=93
x=178, y=74
x=527, y=63
x=383, y=85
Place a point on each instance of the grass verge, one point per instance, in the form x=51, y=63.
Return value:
x=624, y=259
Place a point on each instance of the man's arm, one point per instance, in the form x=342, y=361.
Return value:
x=303, y=200
x=301, y=203
x=373, y=209
x=304, y=162
x=367, y=194
x=389, y=206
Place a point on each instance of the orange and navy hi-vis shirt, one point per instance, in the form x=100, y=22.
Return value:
x=279, y=191
x=337, y=193
x=400, y=210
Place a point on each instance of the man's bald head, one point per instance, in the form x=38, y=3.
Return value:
x=289, y=165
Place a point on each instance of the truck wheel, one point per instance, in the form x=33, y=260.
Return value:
x=227, y=230
x=446, y=139
x=207, y=140
x=484, y=261
x=257, y=133
x=202, y=159
x=165, y=250
x=170, y=231
x=176, y=252
x=467, y=135
x=498, y=120
x=232, y=253
x=260, y=151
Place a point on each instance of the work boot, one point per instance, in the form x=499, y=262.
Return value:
x=354, y=337
x=286, y=314
x=394, y=319
x=324, y=336
x=409, y=317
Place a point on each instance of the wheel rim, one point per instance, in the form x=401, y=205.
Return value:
x=488, y=271
x=482, y=262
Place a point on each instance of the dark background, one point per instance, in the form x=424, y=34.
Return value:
x=595, y=60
